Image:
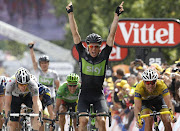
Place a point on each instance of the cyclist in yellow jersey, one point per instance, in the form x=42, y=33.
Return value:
x=152, y=94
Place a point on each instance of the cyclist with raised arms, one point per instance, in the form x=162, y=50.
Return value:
x=3, y=82
x=152, y=94
x=45, y=76
x=67, y=97
x=45, y=98
x=93, y=64
x=20, y=89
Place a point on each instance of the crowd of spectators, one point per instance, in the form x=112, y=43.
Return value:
x=119, y=89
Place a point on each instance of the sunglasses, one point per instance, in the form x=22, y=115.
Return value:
x=150, y=82
x=72, y=85
x=95, y=46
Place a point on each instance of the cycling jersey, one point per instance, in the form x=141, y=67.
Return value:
x=46, y=99
x=13, y=90
x=143, y=94
x=92, y=70
x=64, y=94
x=47, y=79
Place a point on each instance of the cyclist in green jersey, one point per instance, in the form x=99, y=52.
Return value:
x=67, y=96
x=93, y=64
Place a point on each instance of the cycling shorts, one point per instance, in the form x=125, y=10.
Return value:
x=99, y=105
x=16, y=104
x=156, y=104
x=68, y=105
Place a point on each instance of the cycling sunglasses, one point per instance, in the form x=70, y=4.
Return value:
x=150, y=82
x=72, y=85
x=95, y=46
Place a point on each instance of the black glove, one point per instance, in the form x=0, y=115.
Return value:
x=30, y=45
x=69, y=10
x=118, y=11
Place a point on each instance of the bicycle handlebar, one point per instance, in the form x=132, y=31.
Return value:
x=170, y=112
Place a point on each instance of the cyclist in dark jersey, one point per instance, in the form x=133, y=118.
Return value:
x=67, y=97
x=93, y=64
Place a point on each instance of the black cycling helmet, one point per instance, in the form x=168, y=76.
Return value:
x=93, y=38
x=43, y=58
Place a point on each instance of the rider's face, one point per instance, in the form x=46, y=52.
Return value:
x=22, y=87
x=94, y=49
x=72, y=88
x=150, y=85
x=44, y=65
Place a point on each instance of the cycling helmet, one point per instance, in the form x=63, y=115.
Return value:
x=3, y=81
x=72, y=78
x=44, y=58
x=93, y=38
x=149, y=75
x=22, y=76
x=33, y=77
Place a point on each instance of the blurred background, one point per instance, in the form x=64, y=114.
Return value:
x=46, y=21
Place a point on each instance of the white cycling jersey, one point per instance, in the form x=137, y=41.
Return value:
x=47, y=79
x=13, y=90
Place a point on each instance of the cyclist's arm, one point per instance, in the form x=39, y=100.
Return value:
x=35, y=64
x=137, y=107
x=57, y=83
x=111, y=36
x=8, y=100
x=51, y=112
x=58, y=103
x=73, y=26
x=168, y=102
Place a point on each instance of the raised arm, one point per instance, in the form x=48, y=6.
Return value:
x=35, y=64
x=73, y=25
x=111, y=36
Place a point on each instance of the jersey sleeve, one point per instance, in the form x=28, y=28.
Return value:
x=106, y=51
x=165, y=90
x=60, y=91
x=80, y=48
x=138, y=94
x=34, y=88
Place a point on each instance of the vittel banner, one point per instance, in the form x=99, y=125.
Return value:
x=117, y=53
x=148, y=32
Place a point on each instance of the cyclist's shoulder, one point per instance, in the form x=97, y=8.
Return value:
x=140, y=85
x=63, y=87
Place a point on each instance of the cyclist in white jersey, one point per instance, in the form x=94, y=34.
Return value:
x=20, y=89
x=45, y=75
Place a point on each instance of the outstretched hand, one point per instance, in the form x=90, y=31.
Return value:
x=69, y=7
x=119, y=9
x=31, y=44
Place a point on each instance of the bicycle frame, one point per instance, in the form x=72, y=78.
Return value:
x=52, y=122
x=71, y=114
x=92, y=118
x=154, y=115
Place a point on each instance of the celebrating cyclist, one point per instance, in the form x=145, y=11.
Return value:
x=152, y=94
x=67, y=97
x=21, y=89
x=45, y=98
x=46, y=76
x=93, y=63
x=3, y=82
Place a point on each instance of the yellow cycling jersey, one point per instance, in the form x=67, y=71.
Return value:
x=143, y=94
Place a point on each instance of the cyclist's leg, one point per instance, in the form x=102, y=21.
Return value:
x=160, y=105
x=15, y=108
x=74, y=109
x=62, y=119
x=83, y=107
x=101, y=107
x=148, y=120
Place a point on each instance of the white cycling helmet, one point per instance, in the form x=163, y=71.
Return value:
x=22, y=76
x=3, y=81
x=149, y=75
